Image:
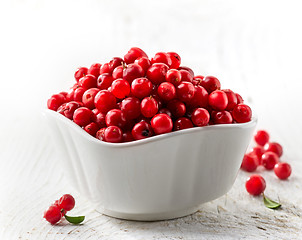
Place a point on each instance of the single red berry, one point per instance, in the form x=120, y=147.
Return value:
x=200, y=117
x=161, y=123
x=261, y=137
x=187, y=69
x=274, y=147
x=88, y=97
x=239, y=98
x=67, y=109
x=92, y=128
x=99, y=119
x=115, y=117
x=259, y=151
x=55, y=101
x=232, y=99
x=88, y=81
x=118, y=72
x=157, y=73
x=223, y=117
x=67, y=202
x=53, y=214
x=141, y=87
x=131, y=107
x=127, y=137
x=80, y=72
x=115, y=62
x=255, y=185
x=149, y=107
x=133, y=54
x=269, y=160
x=166, y=91
x=105, y=68
x=177, y=108
x=82, y=116
x=250, y=162
x=133, y=71
x=200, y=98
x=218, y=100
x=186, y=76
x=144, y=62
x=104, y=101
x=113, y=134
x=175, y=58
x=100, y=134
x=120, y=88
x=142, y=130
x=173, y=76
x=104, y=81
x=162, y=57
x=78, y=94
x=242, y=113
x=95, y=69
x=211, y=84
x=185, y=91
x=166, y=111
x=282, y=170
x=182, y=123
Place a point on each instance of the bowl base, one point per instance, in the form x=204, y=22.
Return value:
x=149, y=216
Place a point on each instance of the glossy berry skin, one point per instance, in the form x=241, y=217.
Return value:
x=161, y=123
x=200, y=117
x=105, y=68
x=223, y=117
x=157, y=73
x=120, y=88
x=232, y=99
x=166, y=111
x=100, y=134
x=200, y=98
x=80, y=72
x=162, y=57
x=142, y=130
x=115, y=117
x=261, y=137
x=173, y=76
x=113, y=134
x=259, y=151
x=187, y=69
x=149, y=107
x=88, y=97
x=144, y=62
x=88, y=81
x=133, y=54
x=255, y=185
x=66, y=202
x=94, y=69
x=166, y=91
x=211, y=83
x=104, y=101
x=250, y=162
x=67, y=109
x=82, y=116
x=182, y=123
x=141, y=87
x=186, y=76
x=131, y=107
x=177, y=108
x=175, y=59
x=218, y=100
x=92, y=128
x=118, y=72
x=274, y=147
x=239, y=98
x=269, y=160
x=185, y=91
x=133, y=71
x=55, y=101
x=99, y=119
x=242, y=113
x=104, y=81
x=115, y=62
x=78, y=94
x=53, y=214
x=282, y=170
x=127, y=137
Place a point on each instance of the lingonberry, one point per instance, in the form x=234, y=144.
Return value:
x=88, y=81
x=133, y=71
x=66, y=202
x=144, y=62
x=100, y=134
x=162, y=57
x=261, y=137
x=182, y=123
x=142, y=130
x=113, y=134
x=222, y=117
x=105, y=68
x=239, y=98
x=55, y=101
x=68, y=109
x=211, y=83
x=149, y=107
x=242, y=113
x=175, y=59
x=200, y=98
x=218, y=100
x=118, y=72
x=115, y=62
x=80, y=72
x=161, y=123
x=250, y=162
x=282, y=170
x=186, y=76
x=200, y=117
x=177, y=108
x=82, y=116
x=53, y=214
x=78, y=94
x=92, y=128
x=166, y=91
x=173, y=76
x=141, y=87
x=269, y=160
x=232, y=99
x=157, y=73
x=133, y=54
x=99, y=119
x=259, y=151
x=120, y=88
x=104, y=81
x=131, y=107
x=255, y=185
x=88, y=97
x=187, y=69
x=104, y=101
x=94, y=69
x=166, y=111
x=185, y=91
x=274, y=147
x=115, y=117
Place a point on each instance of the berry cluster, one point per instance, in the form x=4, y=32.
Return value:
x=135, y=97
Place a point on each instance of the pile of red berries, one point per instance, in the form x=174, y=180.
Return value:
x=135, y=97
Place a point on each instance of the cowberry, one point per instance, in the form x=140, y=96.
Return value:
x=175, y=59
x=66, y=202
x=104, y=81
x=200, y=98
x=187, y=69
x=78, y=94
x=162, y=57
x=255, y=185
x=88, y=97
x=269, y=160
x=149, y=107
x=99, y=119
x=242, y=113
x=67, y=109
x=185, y=91
x=141, y=87
x=142, y=130
x=94, y=69
x=274, y=147
x=239, y=98
x=218, y=100
x=88, y=81
x=200, y=117
x=113, y=134
x=80, y=72
x=282, y=170
x=166, y=111
x=186, y=76
x=82, y=116
x=261, y=137
x=250, y=162
x=133, y=54
x=92, y=128
x=105, y=68
x=118, y=72
x=55, y=101
x=232, y=99
x=182, y=123
x=166, y=91
x=144, y=62
x=115, y=62
x=104, y=101
x=177, y=108
x=211, y=83
x=161, y=123
x=131, y=107
x=133, y=71
x=127, y=137
x=53, y=214
x=259, y=151
x=222, y=117
x=157, y=73
x=115, y=117
x=173, y=76
x=100, y=134
x=120, y=88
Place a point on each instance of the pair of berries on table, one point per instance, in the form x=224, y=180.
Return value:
x=136, y=97
x=59, y=209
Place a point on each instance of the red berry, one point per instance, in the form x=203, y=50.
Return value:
x=162, y=57
x=104, y=81
x=115, y=62
x=250, y=162
x=223, y=117
x=104, y=101
x=142, y=130
x=80, y=72
x=88, y=81
x=92, y=128
x=141, y=87
x=78, y=94
x=127, y=137
x=53, y=214
x=166, y=91
x=55, y=101
x=144, y=62
x=259, y=151
x=120, y=88
x=242, y=113
x=175, y=58
x=274, y=147
x=186, y=76
x=67, y=109
x=118, y=72
x=95, y=69
x=133, y=71
x=218, y=100
x=157, y=73
x=200, y=117
x=187, y=69
x=185, y=91
x=101, y=134
x=255, y=185
x=211, y=83
x=67, y=202
x=239, y=98
x=269, y=160
x=261, y=137
x=166, y=111
x=182, y=123
x=133, y=54
x=282, y=170
x=131, y=107
x=232, y=99
x=177, y=108
x=82, y=116
x=105, y=68
x=99, y=119
x=173, y=76
x=88, y=97
x=200, y=98
x=113, y=134
x=149, y=107
x=161, y=123
x=115, y=117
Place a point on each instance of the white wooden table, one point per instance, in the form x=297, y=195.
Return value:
x=254, y=49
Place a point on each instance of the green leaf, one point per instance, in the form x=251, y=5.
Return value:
x=74, y=220
x=270, y=203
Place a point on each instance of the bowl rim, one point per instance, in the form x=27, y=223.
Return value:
x=150, y=139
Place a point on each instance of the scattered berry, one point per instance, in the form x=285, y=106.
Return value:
x=282, y=170
x=255, y=185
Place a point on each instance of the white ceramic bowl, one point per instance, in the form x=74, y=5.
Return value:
x=162, y=177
